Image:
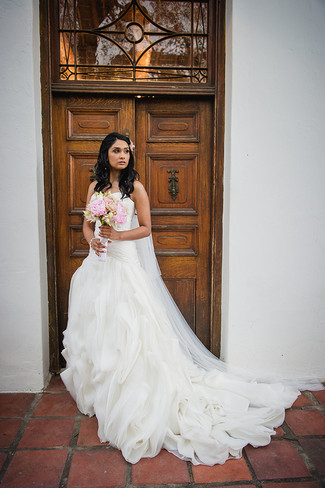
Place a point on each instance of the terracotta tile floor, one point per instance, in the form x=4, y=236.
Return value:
x=45, y=442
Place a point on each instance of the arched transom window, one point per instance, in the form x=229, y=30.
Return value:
x=133, y=40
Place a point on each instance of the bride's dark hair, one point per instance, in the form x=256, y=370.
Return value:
x=102, y=168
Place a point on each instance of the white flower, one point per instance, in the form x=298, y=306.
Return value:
x=132, y=146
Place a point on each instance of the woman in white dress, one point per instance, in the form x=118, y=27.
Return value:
x=134, y=362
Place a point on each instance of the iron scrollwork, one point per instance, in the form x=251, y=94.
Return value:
x=173, y=187
x=134, y=40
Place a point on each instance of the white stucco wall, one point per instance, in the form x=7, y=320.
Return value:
x=274, y=219
x=24, y=318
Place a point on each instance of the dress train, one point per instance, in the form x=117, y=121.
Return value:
x=127, y=366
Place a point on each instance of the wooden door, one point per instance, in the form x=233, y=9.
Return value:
x=174, y=159
x=173, y=156
x=79, y=125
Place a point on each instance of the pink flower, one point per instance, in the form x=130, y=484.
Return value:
x=97, y=207
x=109, y=202
x=121, y=215
x=104, y=208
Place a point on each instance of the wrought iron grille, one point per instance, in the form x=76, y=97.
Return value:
x=134, y=40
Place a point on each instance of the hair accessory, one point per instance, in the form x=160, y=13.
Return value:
x=132, y=146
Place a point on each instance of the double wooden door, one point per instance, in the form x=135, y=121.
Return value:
x=173, y=139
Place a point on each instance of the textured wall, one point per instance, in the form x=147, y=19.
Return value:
x=24, y=329
x=274, y=222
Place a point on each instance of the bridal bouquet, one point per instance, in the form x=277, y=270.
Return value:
x=104, y=208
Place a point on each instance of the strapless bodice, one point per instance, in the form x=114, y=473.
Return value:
x=122, y=250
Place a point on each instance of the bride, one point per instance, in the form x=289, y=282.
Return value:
x=133, y=361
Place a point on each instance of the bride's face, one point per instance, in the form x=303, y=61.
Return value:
x=119, y=155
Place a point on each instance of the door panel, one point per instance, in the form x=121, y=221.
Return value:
x=161, y=181
x=174, y=159
x=173, y=156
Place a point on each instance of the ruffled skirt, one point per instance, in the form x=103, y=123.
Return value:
x=125, y=365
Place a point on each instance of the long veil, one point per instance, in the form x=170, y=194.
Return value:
x=190, y=344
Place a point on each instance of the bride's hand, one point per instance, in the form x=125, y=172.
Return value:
x=109, y=232
x=97, y=246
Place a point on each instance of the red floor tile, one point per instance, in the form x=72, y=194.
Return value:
x=38, y=469
x=306, y=422
x=15, y=404
x=8, y=431
x=315, y=450
x=162, y=469
x=98, y=468
x=302, y=401
x=47, y=433
x=88, y=433
x=232, y=470
x=292, y=484
x=3, y=457
x=320, y=396
x=56, y=385
x=277, y=460
x=56, y=405
x=279, y=432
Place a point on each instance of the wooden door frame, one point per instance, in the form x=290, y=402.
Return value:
x=217, y=92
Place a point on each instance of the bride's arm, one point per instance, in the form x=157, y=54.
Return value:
x=142, y=205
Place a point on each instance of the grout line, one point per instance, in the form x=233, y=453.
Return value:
x=190, y=471
x=290, y=481
x=312, y=398
x=294, y=440
x=63, y=448
x=18, y=436
x=76, y=430
x=11, y=418
x=212, y=484
x=309, y=408
x=65, y=473
x=289, y=432
x=55, y=392
x=42, y=417
x=251, y=470
x=309, y=465
x=171, y=485
x=50, y=448
x=71, y=450
x=128, y=475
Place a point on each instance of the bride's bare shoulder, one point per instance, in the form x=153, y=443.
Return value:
x=139, y=189
x=92, y=185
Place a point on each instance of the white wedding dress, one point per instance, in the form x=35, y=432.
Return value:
x=128, y=366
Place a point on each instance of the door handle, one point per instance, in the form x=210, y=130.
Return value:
x=172, y=179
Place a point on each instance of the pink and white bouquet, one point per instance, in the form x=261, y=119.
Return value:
x=106, y=209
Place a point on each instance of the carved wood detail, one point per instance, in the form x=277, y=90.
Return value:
x=172, y=127
x=78, y=246
x=80, y=164
x=162, y=202
x=175, y=240
x=91, y=124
